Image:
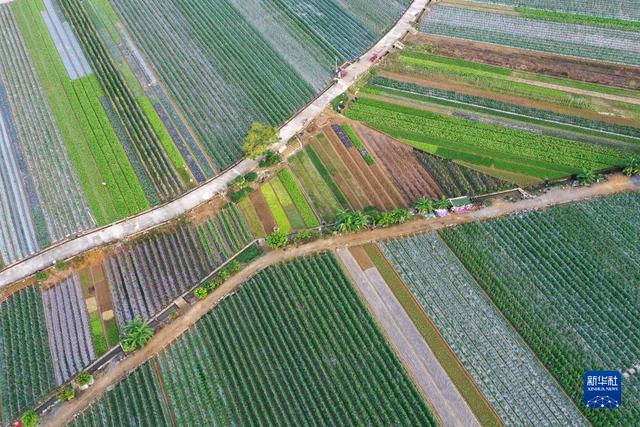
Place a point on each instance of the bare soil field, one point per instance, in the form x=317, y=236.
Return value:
x=262, y=209
x=616, y=75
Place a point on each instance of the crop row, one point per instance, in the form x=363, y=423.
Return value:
x=546, y=115
x=555, y=37
x=136, y=401
x=26, y=373
x=557, y=276
x=622, y=9
x=146, y=143
x=64, y=208
x=295, y=343
x=539, y=155
x=214, y=40
x=105, y=173
x=68, y=325
x=299, y=200
x=148, y=274
x=457, y=180
x=506, y=371
x=224, y=235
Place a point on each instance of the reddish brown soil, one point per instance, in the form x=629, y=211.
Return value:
x=101, y=287
x=401, y=163
x=262, y=209
x=361, y=257
x=380, y=191
x=460, y=87
x=537, y=62
x=206, y=210
x=354, y=194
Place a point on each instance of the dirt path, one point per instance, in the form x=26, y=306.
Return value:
x=63, y=414
x=442, y=395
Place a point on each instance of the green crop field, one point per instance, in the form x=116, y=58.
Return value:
x=568, y=279
x=295, y=345
x=484, y=144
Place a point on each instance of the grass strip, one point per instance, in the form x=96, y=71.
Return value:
x=446, y=357
x=97, y=334
x=573, y=18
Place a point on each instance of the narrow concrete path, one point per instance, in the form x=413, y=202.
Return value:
x=126, y=228
x=442, y=395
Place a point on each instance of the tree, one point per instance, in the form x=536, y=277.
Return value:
x=632, y=167
x=66, y=394
x=350, y=221
x=270, y=158
x=278, y=240
x=84, y=378
x=137, y=334
x=30, y=418
x=259, y=137
x=423, y=205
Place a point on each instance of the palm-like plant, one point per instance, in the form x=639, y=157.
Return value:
x=586, y=177
x=442, y=203
x=349, y=221
x=137, y=334
x=423, y=205
x=632, y=167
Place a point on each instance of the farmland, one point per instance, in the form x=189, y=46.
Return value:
x=557, y=37
x=495, y=356
x=334, y=366
x=544, y=270
x=149, y=273
x=484, y=144
x=623, y=9
x=27, y=372
x=69, y=331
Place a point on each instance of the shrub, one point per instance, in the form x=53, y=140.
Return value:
x=277, y=240
x=304, y=236
x=201, y=293
x=249, y=254
x=238, y=182
x=61, y=265
x=66, y=394
x=236, y=196
x=84, y=378
x=30, y=418
x=41, y=276
x=251, y=176
x=208, y=286
x=423, y=205
x=224, y=275
x=270, y=158
x=233, y=267
x=632, y=167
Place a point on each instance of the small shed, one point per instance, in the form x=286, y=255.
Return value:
x=461, y=204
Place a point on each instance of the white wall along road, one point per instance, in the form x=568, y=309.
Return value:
x=161, y=214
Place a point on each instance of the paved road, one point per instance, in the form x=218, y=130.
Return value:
x=159, y=215
x=443, y=396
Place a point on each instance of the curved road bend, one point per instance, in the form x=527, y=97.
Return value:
x=171, y=210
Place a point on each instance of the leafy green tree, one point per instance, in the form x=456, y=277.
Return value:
x=632, y=167
x=201, y=293
x=66, y=394
x=30, y=418
x=277, y=240
x=258, y=139
x=350, y=221
x=84, y=378
x=251, y=176
x=137, y=334
x=588, y=177
x=423, y=205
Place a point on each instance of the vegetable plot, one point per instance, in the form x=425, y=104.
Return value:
x=568, y=279
x=506, y=371
x=26, y=374
x=68, y=325
x=60, y=208
x=555, y=37
x=295, y=345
